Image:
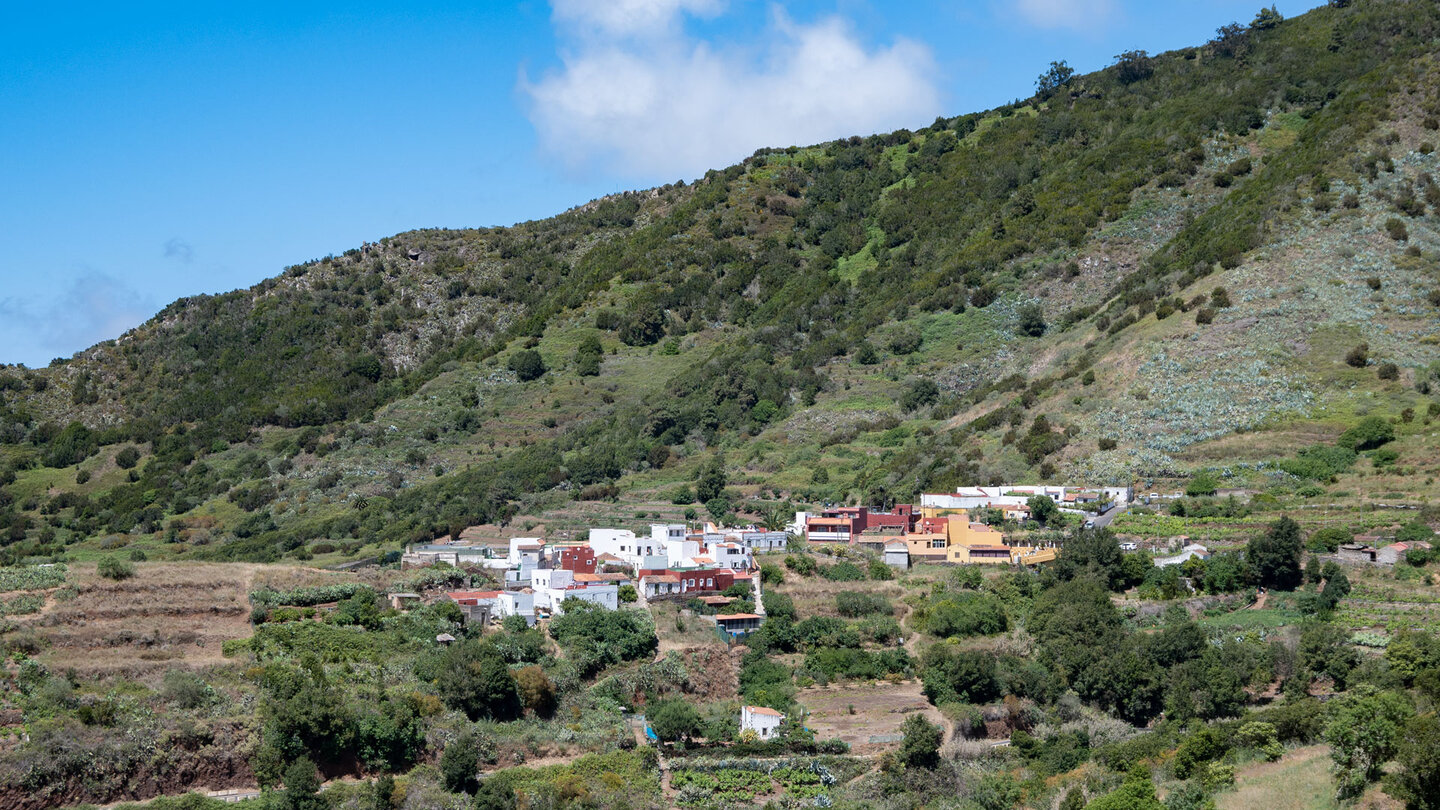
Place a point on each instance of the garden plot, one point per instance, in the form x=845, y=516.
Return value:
x=173, y=614
x=878, y=711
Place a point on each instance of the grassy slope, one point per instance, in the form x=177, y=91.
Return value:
x=1263, y=379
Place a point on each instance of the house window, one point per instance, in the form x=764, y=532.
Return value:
x=937, y=544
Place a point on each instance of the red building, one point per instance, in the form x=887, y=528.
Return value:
x=845, y=524
x=579, y=559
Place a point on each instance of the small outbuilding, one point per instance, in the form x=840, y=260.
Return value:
x=762, y=720
x=404, y=601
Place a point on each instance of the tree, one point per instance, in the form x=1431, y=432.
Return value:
x=1325, y=650
x=712, y=481
x=127, y=459
x=527, y=365
x=674, y=720
x=474, y=679
x=920, y=747
x=1043, y=510
x=1266, y=19
x=628, y=594
x=1363, y=733
x=1133, y=66
x=1418, y=753
x=952, y=675
x=918, y=394
x=302, y=786
x=588, y=356
x=1201, y=484
x=460, y=764
x=645, y=326
x=1032, y=320
x=1274, y=557
x=537, y=692
x=1057, y=76
x=1372, y=432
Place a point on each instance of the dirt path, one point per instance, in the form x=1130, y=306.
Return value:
x=1260, y=601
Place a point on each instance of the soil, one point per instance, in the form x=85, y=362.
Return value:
x=880, y=708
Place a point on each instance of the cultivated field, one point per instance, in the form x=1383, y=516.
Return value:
x=166, y=615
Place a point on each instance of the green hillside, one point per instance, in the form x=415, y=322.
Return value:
x=1151, y=271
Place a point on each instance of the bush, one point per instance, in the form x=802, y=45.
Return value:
x=127, y=459
x=854, y=604
x=1372, y=432
x=918, y=394
x=1359, y=356
x=527, y=365
x=905, y=340
x=1204, y=315
x=112, y=568
x=1396, y=229
x=842, y=572
x=1032, y=318
x=1388, y=371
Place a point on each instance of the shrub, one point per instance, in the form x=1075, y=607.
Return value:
x=854, y=604
x=112, y=568
x=842, y=571
x=126, y=459
x=905, y=340
x=1107, y=444
x=1372, y=432
x=1359, y=356
x=918, y=394
x=1388, y=371
x=1396, y=229
x=527, y=365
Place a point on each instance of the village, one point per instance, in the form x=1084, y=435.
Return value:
x=674, y=561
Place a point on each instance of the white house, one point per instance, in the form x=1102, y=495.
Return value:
x=629, y=547
x=762, y=720
x=521, y=546
x=732, y=555
x=606, y=596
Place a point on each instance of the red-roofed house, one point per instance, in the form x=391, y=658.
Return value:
x=762, y=720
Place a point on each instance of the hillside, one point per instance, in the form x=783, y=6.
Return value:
x=1151, y=271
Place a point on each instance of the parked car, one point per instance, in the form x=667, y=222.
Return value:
x=1089, y=524
x=1129, y=546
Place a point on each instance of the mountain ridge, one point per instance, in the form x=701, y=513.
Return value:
x=786, y=314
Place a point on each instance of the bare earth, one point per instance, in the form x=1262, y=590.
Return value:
x=880, y=708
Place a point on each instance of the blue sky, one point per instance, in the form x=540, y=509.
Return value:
x=150, y=151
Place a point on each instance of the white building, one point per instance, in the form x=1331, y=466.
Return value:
x=1187, y=553
x=732, y=555
x=762, y=720
x=1012, y=495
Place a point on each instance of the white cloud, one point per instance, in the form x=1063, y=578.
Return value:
x=629, y=17
x=94, y=307
x=1078, y=14
x=670, y=105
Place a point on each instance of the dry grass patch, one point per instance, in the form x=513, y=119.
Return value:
x=815, y=596
x=879, y=709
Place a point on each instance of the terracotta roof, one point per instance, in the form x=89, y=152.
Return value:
x=717, y=600
x=601, y=578
x=459, y=595
x=670, y=578
x=607, y=556
x=730, y=616
x=763, y=710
